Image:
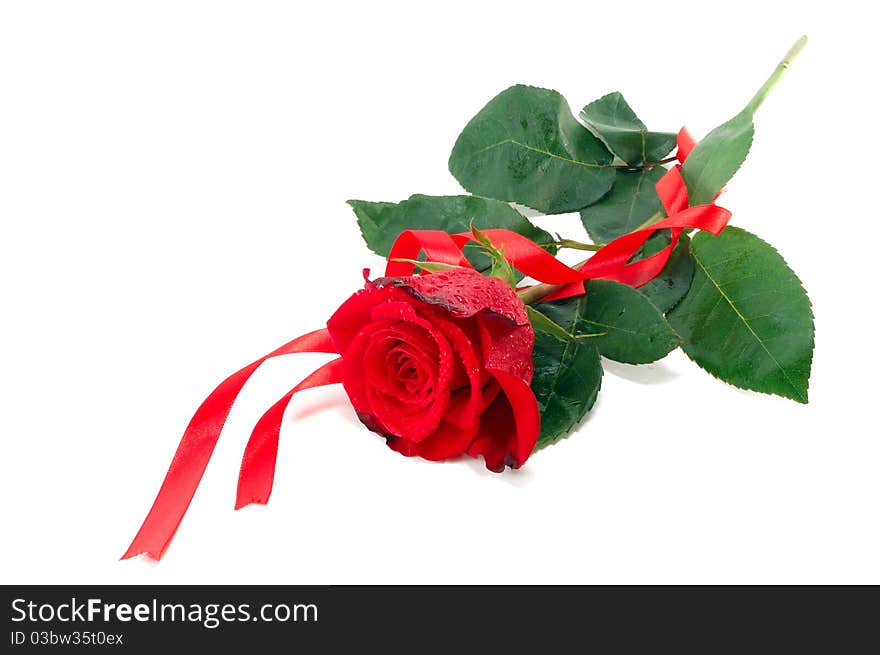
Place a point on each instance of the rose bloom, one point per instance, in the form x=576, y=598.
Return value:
x=440, y=365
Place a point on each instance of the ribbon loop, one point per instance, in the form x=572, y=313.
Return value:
x=439, y=247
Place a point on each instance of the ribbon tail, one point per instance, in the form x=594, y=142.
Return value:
x=258, y=463
x=196, y=447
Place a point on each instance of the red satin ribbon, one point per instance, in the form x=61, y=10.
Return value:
x=611, y=262
x=258, y=463
x=196, y=447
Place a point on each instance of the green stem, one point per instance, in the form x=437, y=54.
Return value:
x=654, y=218
x=571, y=244
x=537, y=292
x=764, y=91
x=643, y=165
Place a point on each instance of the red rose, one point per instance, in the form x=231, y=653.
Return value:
x=440, y=365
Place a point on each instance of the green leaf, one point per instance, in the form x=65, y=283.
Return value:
x=382, y=222
x=717, y=157
x=525, y=146
x=636, y=331
x=612, y=119
x=654, y=244
x=568, y=374
x=631, y=201
x=669, y=287
x=746, y=319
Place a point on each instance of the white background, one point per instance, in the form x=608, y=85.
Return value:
x=173, y=178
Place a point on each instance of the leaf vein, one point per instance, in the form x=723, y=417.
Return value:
x=748, y=325
x=546, y=153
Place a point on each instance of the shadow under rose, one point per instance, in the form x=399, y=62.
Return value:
x=520, y=477
x=337, y=401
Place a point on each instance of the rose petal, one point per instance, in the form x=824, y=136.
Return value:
x=355, y=313
x=462, y=293
x=464, y=350
x=446, y=442
x=403, y=446
x=506, y=347
x=459, y=411
x=354, y=381
x=412, y=422
x=496, y=427
x=395, y=310
x=420, y=348
x=509, y=428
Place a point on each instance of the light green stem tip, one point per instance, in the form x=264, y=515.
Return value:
x=764, y=91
